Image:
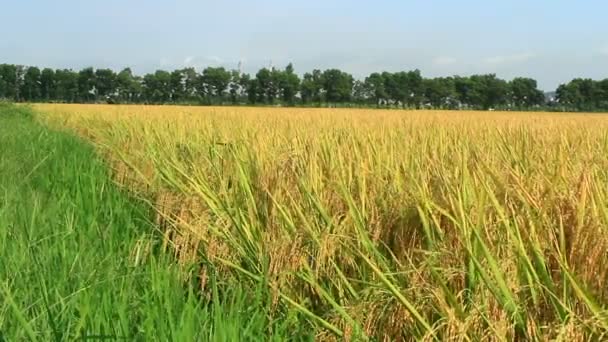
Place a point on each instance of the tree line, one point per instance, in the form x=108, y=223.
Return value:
x=271, y=86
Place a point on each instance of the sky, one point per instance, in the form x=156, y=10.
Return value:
x=552, y=41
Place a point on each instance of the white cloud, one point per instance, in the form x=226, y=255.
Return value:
x=604, y=51
x=188, y=60
x=164, y=62
x=214, y=59
x=444, y=60
x=200, y=62
x=197, y=62
x=509, y=59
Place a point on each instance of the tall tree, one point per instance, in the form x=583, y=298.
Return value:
x=412, y=88
x=30, y=88
x=267, y=87
x=375, y=83
x=406, y=88
x=361, y=93
x=189, y=76
x=488, y=91
x=464, y=91
x=10, y=81
x=580, y=94
x=86, y=85
x=394, y=91
x=252, y=88
x=105, y=84
x=234, y=86
x=47, y=85
x=603, y=94
x=128, y=86
x=67, y=86
x=311, y=87
x=216, y=80
x=289, y=84
x=177, y=84
x=440, y=92
x=157, y=87
x=525, y=93
x=338, y=85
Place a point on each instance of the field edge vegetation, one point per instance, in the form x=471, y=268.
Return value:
x=275, y=86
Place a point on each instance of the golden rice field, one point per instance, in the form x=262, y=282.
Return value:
x=387, y=225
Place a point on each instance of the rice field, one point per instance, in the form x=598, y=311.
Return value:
x=384, y=225
x=73, y=265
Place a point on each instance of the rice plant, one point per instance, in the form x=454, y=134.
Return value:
x=380, y=225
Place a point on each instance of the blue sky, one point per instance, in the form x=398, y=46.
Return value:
x=550, y=40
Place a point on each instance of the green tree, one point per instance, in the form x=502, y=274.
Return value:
x=410, y=88
x=488, y=91
x=580, y=94
x=361, y=93
x=157, y=87
x=129, y=88
x=440, y=92
x=67, y=86
x=405, y=88
x=311, y=87
x=30, y=88
x=177, y=84
x=603, y=94
x=338, y=85
x=86, y=85
x=289, y=84
x=235, y=88
x=525, y=93
x=375, y=84
x=251, y=85
x=105, y=84
x=47, y=85
x=267, y=87
x=10, y=81
x=394, y=93
x=464, y=89
x=216, y=81
x=190, y=81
